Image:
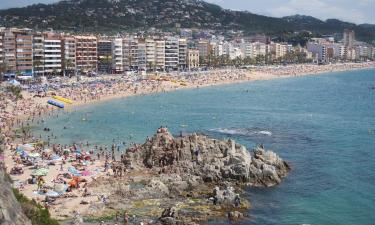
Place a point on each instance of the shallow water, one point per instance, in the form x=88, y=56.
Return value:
x=323, y=125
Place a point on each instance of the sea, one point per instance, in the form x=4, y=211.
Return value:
x=324, y=126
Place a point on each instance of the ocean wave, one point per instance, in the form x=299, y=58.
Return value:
x=241, y=131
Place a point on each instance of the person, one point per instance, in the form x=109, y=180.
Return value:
x=126, y=218
x=237, y=201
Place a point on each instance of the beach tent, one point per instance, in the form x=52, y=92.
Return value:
x=41, y=172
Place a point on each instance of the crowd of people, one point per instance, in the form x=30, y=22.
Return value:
x=47, y=171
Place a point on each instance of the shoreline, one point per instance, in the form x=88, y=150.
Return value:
x=165, y=86
x=259, y=77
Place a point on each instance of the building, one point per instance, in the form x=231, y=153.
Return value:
x=318, y=50
x=141, y=48
x=52, y=54
x=258, y=49
x=192, y=58
x=38, y=54
x=69, y=55
x=86, y=54
x=24, y=53
x=280, y=50
x=182, y=56
x=117, y=55
x=160, y=54
x=349, y=38
x=9, y=49
x=1, y=48
x=204, y=48
x=172, y=54
x=150, y=54
x=105, y=55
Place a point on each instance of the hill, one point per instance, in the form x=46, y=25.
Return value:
x=129, y=15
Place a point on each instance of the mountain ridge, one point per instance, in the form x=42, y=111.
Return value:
x=105, y=16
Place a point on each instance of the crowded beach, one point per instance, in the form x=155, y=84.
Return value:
x=56, y=175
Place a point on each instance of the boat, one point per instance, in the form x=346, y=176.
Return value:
x=62, y=99
x=57, y=104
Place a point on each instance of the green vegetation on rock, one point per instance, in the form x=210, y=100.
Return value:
x=34, y=211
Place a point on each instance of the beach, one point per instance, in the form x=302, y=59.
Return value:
x=89, y=90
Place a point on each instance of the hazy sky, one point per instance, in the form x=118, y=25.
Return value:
x=358, y=11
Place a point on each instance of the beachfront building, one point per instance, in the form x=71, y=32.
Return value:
x=9, y=48
x=280, y=49
x=150, y=54
x=192, y=59
x=1, y=48
x=52, y=54
x=38, y=54
x=160, y=54
x=204, y=48
x=142, y=62
x=117, y=55
x=246, y=49
x=318, y=50
x=182, y=56
x=349, y=38
x=105, y=55
x=69, y=55
x=24, y=53
x=258, y=49
x=171, y=54
x=86, y=54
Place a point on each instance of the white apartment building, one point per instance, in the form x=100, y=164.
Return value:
x=38, y=54
x=1, y=47
x=52, y=54
x=171, y=53
x=258, y=49
x=69, y=47
x=182, y=49
x=142, y=61
x=160, y=54
x=150, y=54
x=117, y=55
x=319, y=51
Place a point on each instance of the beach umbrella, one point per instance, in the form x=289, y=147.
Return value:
x=41, y=172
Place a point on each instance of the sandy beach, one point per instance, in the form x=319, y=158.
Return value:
x=84, y=163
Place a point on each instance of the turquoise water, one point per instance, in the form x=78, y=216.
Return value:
x=323, y=125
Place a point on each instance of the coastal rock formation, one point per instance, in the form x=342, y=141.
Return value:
x=196, y=158
x=10, y=210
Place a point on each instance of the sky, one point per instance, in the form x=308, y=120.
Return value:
x=356, y=11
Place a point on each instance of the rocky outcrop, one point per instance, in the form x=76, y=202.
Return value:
x=198, y=158
x=10, y=210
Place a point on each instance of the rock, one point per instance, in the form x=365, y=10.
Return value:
x=235, y=215
x=212, y=160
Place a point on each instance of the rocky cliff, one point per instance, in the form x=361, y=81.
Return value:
x=208, y=159
x=10, y=210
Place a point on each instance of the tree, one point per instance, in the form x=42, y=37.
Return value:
x=68, y=63
x=37, y=64
x=3, y=70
